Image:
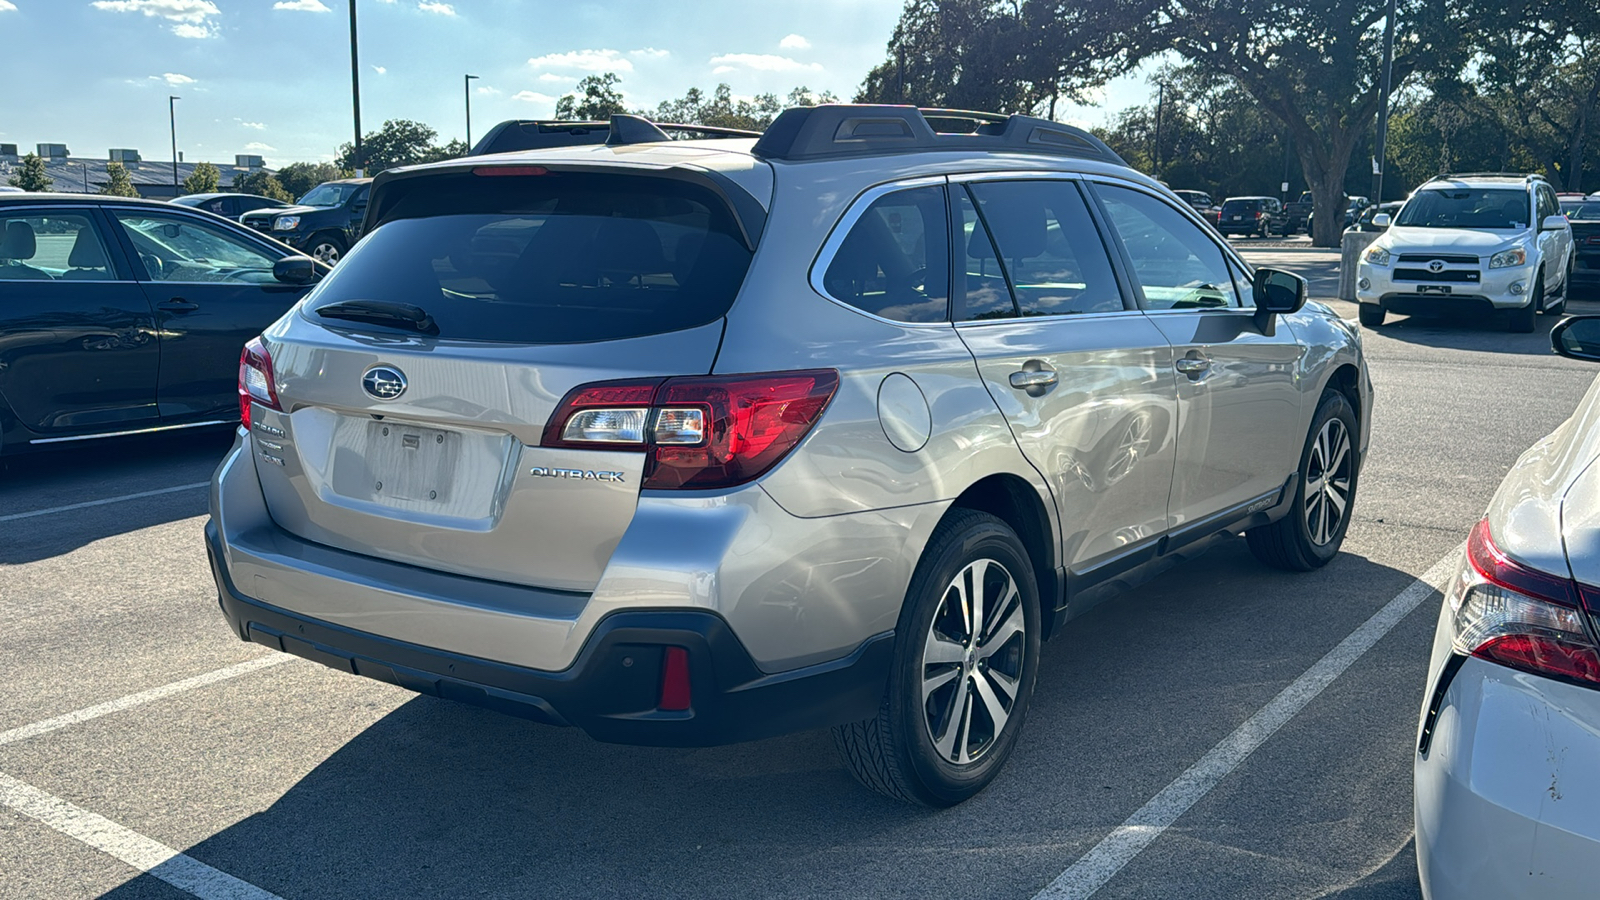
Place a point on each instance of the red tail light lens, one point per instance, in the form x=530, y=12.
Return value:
x=700, y=432
x=674, y=680
x=1519, y=617
x=256, y=384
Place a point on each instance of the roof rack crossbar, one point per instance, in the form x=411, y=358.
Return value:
x=839, y=130
x=1524, y=176
x=539, y=134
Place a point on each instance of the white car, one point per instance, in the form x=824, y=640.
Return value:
x=1507, y=769
x=1470, y=242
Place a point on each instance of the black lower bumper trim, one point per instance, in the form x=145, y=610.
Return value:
x=612, y=689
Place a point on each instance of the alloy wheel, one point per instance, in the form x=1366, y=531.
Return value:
x=1327, y=491
x=326, y=251
x=972, y=661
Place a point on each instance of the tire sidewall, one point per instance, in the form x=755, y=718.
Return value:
x=1333, y=405
x=945, y=783
x=338, y=245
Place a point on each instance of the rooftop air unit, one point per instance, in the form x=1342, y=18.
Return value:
x=8, y=149
x=125, y=156
x=248, y=161
x=53, y=151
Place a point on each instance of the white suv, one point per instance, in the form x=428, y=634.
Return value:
x=1461, y=242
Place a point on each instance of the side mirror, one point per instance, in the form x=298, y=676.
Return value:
x=295, y=270
x=1553, y=223
x=1381, y=220
x=1577, y=337
x=1277, y=293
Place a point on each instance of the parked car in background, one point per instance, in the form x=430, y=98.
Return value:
x=1570, y=202
x=1507, y=763
x=10, y=189
x=1584, y=219
x=1297, y=214
x=524, y=449
x=1477, y=242
x=1364, y=222
x=1260, y=216
x=120, y=316
x=229, y=206
x=324, y=224
x=1352, y=209
x=1202, y=203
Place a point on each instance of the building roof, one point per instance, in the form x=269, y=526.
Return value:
x=70, y=173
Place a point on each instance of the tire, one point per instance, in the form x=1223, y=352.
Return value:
x=1308, y=536
x=326, y=248
x=1371, y=314
x=896, y=752
x=1522, y=318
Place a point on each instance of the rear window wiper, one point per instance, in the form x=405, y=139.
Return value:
x=382, y=312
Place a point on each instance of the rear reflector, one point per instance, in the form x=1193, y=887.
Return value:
x=675, y=680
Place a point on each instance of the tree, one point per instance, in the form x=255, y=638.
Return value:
x=400, y=142
x=599, y=100
x=32, y=175
x=205, y=179
x=263, y=184
x=299, y=178
x=118, y=184
x=720, y=110
x=455, y=148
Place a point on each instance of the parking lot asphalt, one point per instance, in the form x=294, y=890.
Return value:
x=292, y=780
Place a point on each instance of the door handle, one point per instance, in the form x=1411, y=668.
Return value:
x=1192, y=366
x=178, y=304
x=1035, y=377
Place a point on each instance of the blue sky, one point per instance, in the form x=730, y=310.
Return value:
x=273, y=76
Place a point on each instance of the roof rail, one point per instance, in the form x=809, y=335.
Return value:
x=1524, y=176
x=539, y=134
x=837, y=130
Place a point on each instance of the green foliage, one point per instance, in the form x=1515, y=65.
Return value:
x=118, y=184
x=400, y=142
x=263, y=184
x=205, y=179
x=596, y=101
x=32, y=175
x=299, y=178
x=720, y=110
x=455, y=148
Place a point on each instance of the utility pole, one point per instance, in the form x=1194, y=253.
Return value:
x=900, y=74
x=172, y=120
x=355, y=90
x=466, y=85
x=1381, y=144
x=1161, y=102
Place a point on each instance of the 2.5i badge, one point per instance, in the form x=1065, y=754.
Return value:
x=578, y=474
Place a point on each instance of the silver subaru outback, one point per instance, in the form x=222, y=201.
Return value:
x=694, y=442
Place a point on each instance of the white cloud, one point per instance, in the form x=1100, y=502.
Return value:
x=795, y=42
x=649, y=53
x=533, y=97
x=584, y=60
x=302, y=5
x=7, y=6
x=258, y=126
x=381, y=70
x=443, y=9
x=173, y=78
x=189, y=18
x=258, y=147
x=551, y=76
x=763, y=62
x=485, y=89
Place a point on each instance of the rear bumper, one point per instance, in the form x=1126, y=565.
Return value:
x=1507, y=790
x=611, y=691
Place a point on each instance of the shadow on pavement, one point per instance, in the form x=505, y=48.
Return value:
x=1483, y=332
x=442, y=800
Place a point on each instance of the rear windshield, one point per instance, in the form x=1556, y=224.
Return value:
x=1477, y=208
x=1583, y=212
x=1241, y=205
x=558, y=258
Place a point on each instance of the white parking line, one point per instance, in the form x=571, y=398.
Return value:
x=156, y=693
x=1091, y=872
x=12, y=517
x=180, y=870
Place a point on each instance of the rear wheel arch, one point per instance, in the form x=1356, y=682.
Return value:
x=1014, y=501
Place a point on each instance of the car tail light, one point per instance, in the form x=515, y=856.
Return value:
x=256, y=384
x=699, y=432
x=1518, y=617
x=674, y=680
x=1258, y=215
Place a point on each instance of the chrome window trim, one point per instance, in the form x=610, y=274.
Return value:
x=1058, y=317
x=841, y=229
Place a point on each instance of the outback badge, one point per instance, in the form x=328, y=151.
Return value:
x=579, y=474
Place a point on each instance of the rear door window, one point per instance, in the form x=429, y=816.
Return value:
x=48, y=245
x=547, y=259
x=895, y=260
x=1049, y=247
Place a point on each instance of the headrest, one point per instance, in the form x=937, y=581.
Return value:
x=86, y=251
x=18, y=242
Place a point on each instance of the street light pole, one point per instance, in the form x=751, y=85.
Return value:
x=1380, y=146
x=466, y=88
x=355, y=90
x=1161, y=102
x=172, y=120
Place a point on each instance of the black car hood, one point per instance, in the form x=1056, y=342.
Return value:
x=291, y=210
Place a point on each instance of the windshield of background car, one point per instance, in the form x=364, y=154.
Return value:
x=1502, y=208
x=1582, y=212
x=557, y=258
x=326, y=195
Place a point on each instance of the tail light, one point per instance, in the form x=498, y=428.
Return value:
x=1258, y=215
x=256, y=384
x=699, y=432
x=1518, y=617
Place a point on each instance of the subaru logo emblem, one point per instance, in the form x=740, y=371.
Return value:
x=384, y=382
x=1436, y=266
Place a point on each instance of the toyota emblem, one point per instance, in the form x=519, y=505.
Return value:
x=1436, y=266
x=384, y=382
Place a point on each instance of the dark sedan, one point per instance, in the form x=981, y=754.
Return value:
x=229, y=206
x=120, y=316
x=1585, y=221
